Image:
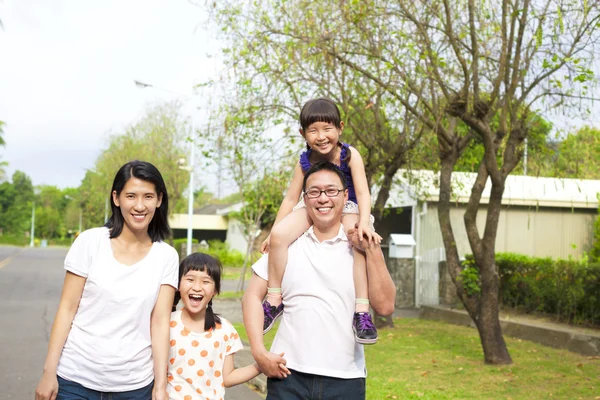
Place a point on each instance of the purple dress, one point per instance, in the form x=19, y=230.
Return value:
x=344, y=167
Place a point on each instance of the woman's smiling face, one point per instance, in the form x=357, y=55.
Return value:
x=138, y=202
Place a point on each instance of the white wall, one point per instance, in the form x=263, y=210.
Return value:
x=235, y=236
x=542, y=232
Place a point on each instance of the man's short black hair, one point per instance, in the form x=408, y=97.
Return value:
x=325, y=166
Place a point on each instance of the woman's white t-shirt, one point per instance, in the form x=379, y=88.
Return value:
x=109, y=345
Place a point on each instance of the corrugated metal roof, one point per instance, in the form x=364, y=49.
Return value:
x=520, y=190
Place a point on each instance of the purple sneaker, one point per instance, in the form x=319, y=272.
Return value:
x=364, y=328
x=271, y=314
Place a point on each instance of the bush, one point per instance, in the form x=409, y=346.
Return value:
x=567, y=289
x=228, y=257
x=14, y=240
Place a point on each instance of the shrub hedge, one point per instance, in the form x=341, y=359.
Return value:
x=567, y=289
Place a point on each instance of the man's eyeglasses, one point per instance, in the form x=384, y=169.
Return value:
x=314, y=193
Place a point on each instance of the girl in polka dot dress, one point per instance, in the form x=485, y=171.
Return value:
x=202, y=343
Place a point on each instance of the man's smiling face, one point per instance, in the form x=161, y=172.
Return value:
x=325, y=211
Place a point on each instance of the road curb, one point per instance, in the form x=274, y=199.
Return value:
x=578, y=342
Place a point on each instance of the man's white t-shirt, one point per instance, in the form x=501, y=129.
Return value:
x=315, y=332
x=109, y=345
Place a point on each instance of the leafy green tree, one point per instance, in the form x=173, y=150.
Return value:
x=276, y=69
x=483, y=65
x=159, y=137
x=16, y=203
x=578, y=155
x=262, y=198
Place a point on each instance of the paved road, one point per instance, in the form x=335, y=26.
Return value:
x=30, y=285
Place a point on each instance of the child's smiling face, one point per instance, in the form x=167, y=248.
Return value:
x=322, y=137
x=197, y=289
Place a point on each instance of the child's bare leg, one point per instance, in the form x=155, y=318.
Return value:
x=361, y=287
x=282, y=235
x=364, y=329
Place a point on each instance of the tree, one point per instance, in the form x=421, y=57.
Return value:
x=15, y=204
x=487, y=65
x=158, y=137
x=275, y=75
x=254, y=161
x=262, y=197
x=578, y=155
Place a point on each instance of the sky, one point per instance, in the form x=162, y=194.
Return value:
x=67, y=71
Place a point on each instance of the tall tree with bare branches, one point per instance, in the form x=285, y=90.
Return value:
x=463, y=69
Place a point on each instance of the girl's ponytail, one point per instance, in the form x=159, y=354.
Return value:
x=210, y=318
x=176, y=300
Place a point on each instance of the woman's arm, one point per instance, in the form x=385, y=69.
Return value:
x=361, y=187
x=67, y=308
x=159, y=330
x=233, y=376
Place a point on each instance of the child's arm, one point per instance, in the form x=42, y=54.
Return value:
x=289, y=201
x=233, y=376
x=363, y=196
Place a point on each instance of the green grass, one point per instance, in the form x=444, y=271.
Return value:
x=421, y=359
x=234, y=273
x=230, y=295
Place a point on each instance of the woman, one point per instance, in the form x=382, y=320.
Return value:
x=110, y=337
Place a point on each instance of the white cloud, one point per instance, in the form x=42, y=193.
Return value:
x=67, y=69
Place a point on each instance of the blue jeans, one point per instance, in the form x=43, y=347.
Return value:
x=69, y=390
x=301, y=386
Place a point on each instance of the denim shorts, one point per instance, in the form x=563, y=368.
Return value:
x=301, y=386
x=69, y=390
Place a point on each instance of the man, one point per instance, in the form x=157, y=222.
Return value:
x=322, y=359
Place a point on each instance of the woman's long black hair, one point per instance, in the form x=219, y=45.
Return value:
x=213, y=268
x=159, y=226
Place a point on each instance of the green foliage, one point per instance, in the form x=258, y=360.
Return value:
x=578, y=155
x=469, y=276
x=566, y=289
x=15, y=204
x=159, y=137
x=14, y=240
x=181, y=246
x=595, y=250
x=228, y=257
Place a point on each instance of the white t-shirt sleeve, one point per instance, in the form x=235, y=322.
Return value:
x=82, y=252
x=171, y=271
x=261, y=267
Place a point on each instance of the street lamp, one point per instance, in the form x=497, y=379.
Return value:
x=181, y=162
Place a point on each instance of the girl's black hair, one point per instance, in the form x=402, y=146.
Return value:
x=322, y=109
x=203, y=263
x=159, y=226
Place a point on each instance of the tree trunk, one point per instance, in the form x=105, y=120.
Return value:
x=240, y=286
x=482, y=307
x=488, y=322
